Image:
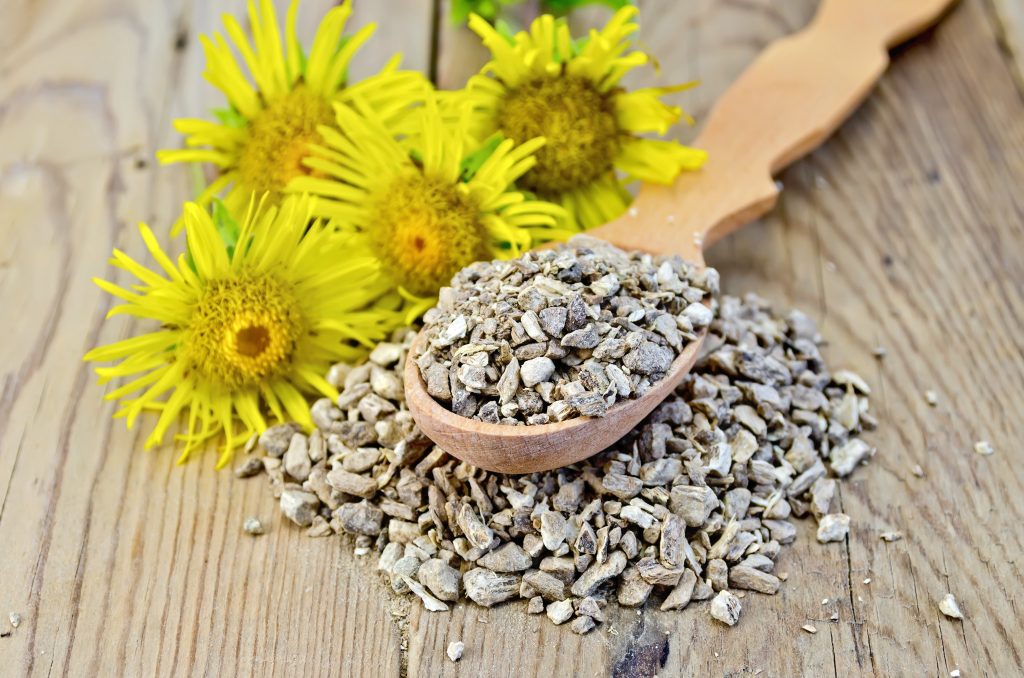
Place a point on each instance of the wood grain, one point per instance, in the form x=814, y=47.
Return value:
x=1008, y=16
x=905, y=230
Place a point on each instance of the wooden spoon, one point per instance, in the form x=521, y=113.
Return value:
x=786, y=103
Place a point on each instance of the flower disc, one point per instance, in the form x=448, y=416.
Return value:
x=279, y=138
x=578, y=123
x=425, y=230
x=244, y=330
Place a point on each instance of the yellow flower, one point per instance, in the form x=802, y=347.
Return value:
x=542, y=84
x=245, y=328
x=426, y=213
x=263, y=137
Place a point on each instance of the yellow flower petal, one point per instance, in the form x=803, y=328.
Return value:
x=658, y=161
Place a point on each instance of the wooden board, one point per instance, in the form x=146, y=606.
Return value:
x=904, y=231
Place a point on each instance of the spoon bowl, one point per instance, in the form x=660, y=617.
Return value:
x=785, y=104
x=525, y=449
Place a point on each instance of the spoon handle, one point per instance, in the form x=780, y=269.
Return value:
x=785, y=104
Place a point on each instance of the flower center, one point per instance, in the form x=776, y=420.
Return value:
x=577, y=121
x=279, y=139
x=425, y=230
x=243, y=330
x=252, y=341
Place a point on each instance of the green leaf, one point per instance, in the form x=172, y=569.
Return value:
x=460, y=11
x=565, y=6
x=506, y=30
x=579, y=43
x=226, y=226
x=230, y=118
x=487, y=9
x=227, y=229
x=472, y=163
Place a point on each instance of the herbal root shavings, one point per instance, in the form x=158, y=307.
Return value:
x=560, y=333
x=693, y=505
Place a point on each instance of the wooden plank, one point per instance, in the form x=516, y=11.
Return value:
x=403, y=26
x=943, y=211
x=904, y=231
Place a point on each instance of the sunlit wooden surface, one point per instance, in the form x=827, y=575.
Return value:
x=904, y=231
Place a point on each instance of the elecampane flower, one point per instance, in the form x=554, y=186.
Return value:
x=426, y=213
x=259, y=142
x=246, y=329
x=543, y=84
